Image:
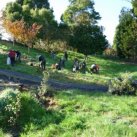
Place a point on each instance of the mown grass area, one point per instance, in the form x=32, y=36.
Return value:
x=79, y=114
x=108, y=68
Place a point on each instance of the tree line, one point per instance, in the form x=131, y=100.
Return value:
x=30, y=21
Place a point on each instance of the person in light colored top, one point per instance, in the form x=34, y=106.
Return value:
x=94, y=68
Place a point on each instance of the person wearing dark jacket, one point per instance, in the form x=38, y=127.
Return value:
x=18, y=55
x=42, y=61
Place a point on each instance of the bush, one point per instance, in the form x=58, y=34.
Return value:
x=42, y=90
x=18, y=108
x=122, y=85
x=44, y=85
x=9, y=107
x=58, y=46
x=31, y=111
x=110, y=52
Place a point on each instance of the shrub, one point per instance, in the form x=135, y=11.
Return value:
x=19, y=109
x=9, y=107
x=110, y=52
x=31, y=111
x=44, y=91
x=122, y=85
x=44, y=86
x=58, y=46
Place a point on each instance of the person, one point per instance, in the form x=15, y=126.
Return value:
x=8, y=60
x=75, y=65
x=18, y=55
x=83, y=66
x=12, y=55
x=42, y=61
x=53, y=55
x=65, y=55
x=94, y=68
x=63, y=62
x=59, y=65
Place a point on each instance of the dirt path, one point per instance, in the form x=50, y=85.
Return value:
x=16, y=78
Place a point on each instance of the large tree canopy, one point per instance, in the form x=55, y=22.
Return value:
x=88, y=39
x=81, y=19
x=31, y=11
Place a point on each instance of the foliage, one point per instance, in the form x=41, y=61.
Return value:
x=122, y=85
x=30, y=111
x=9, y=107
x=44, y=85
x=125, y=37
x=80, y=13
x=110, y=52
x=21, y=31
x=57, y=46
x=32, y=11
x=88, y=39
x=134, y=5
x=84, y=34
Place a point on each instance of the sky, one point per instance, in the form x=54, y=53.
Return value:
x=109, y=11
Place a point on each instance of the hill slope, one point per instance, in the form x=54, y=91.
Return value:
x=108, y=68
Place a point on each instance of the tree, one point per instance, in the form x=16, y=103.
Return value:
x=134, y=5
x=125, y=41
x=80, y=12
x=88, y=39
x=32, y=11
x=22, y=32
x=85, y=35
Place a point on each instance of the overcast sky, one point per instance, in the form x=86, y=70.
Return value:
x=109, y=11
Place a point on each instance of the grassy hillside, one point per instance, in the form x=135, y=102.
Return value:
x=108, y=68
x=75, y=113
x=79, y=114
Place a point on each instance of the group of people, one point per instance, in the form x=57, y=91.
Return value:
x=13, y=56
x=58, y=66
x=77, y=66
x=61, y=63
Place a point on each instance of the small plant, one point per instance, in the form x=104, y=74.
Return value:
x=122, y=85
x=43, y=89
x=44, y=86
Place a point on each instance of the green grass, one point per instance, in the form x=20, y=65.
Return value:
x=84, y=114
x=77, y=114
x=108, y=68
